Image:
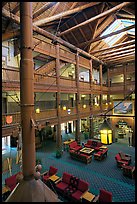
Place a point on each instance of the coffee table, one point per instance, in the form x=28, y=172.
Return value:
x=88, y=197
x=87, y=150
x=54, y=178
x=67, y=142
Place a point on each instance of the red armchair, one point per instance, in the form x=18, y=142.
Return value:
x=88, y=144
x=83, y=186
x=64, y=183
x=74, y=145
x=12, y=181
x=129, y=171
x=122, y=158
x=47, y=174
x=104, y=196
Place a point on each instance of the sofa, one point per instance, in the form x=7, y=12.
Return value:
x=64, y=183
x=129, y=171
x=12, y=181
x=74, y=146
x=83, y=187
x=122, y=158
x=72, y=187
x=100, y=155
x=80, y=156
x=93, y=144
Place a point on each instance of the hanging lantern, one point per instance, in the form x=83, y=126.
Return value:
x=84, y=106
x=106, y=132
x=9, y=119
x=64, y=108
x=37, y=110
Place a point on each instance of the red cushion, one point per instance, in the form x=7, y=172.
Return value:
x=11, y=181
x=73, y=144
x=105, y=196
x=87, y=145
x=83, y=185
x=52, y=170
x=45, y=177
x=62, y=186
x=89, y=142
x=76, y=195
x=117, y=157
x=77, y=148
x=12, y=187
x=66, y=177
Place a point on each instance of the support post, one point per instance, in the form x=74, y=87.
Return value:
x=77, y=136
x=58, y=139
x=27, y=91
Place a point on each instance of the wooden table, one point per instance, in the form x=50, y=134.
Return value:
x=88, y=197
x=87, y=151
x=54, y=178
x=67, y=142
x=103, y=147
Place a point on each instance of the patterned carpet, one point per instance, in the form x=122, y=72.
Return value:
x=100, y=174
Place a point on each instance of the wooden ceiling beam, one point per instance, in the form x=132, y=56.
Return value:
x=116, y=54
x=123, y=55
x=97, y=22
x=121, y=60
x=16, y=9
x=63, y=14
x=4, y=3
x=125, y=16
x=54, y=9
x=45, y=7
x=81, y=31
x=128, y=10
x=42, y=32
x=108, y=35
x=73, y=5
x=110, y=11
x=117, y=50
x=10, y=35
x=113, y=33
x=115, y=46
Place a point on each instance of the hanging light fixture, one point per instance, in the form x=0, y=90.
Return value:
x=64, y=108
x=84, y=106
x=106, y=132
x=37, y=110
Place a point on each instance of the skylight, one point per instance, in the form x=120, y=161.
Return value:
x=115, y=26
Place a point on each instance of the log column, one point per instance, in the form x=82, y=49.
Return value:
x=77, y=136
x=58, y=139
x=125, y=79
x=100, y=80
x=27, y=91
x=91, y=102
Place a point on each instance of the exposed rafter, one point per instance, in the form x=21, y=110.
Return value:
x=49, y=35
x=125, y=16
x=43, y=9
x=116, y=54
x=120, y=6
x=117, y=50
x=109, y=35
x=115, y=46
x=10, y=35
x=63, y=14
x=123, y=55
